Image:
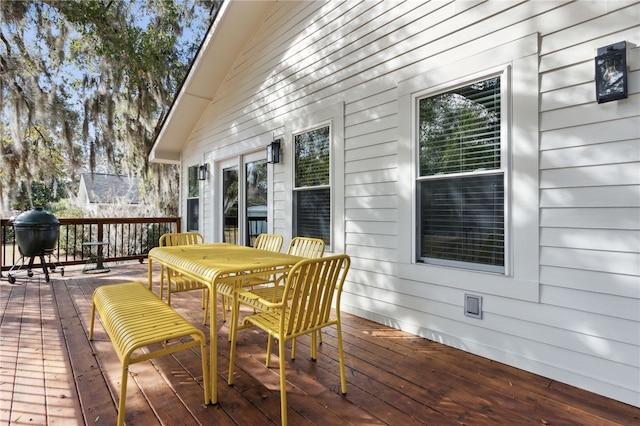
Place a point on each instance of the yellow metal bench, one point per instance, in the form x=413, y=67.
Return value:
x=135, y=318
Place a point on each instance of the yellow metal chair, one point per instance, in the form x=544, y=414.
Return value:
x=271, y=288
x=311, y=248
x=269, y=242
x=176, y=282
x=311, y=288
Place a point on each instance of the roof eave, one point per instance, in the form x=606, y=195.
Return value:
x=234, y=24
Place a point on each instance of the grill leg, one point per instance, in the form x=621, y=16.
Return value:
x=44, y=267
x=30, y=266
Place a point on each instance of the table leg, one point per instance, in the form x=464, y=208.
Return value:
x=99, y=257
x=149, y=274
x=213, y=342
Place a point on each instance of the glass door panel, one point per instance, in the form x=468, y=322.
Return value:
x=256, y=199
x=230, y=205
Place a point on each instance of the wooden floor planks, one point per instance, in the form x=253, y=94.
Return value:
x=50, y=374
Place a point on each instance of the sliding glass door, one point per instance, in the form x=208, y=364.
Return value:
x=244, y=198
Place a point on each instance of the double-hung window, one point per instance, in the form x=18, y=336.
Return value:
x=193, y=199
x=312, y=184
x=461, y=176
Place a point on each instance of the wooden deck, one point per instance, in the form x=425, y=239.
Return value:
x=52, y=375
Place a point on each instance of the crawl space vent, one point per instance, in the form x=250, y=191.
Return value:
x=473, y=306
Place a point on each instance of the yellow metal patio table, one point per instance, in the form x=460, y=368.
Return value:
x=218, y=264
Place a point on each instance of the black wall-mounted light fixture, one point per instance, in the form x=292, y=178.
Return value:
x=611, y=72
x=273, y=151
x=202, y=171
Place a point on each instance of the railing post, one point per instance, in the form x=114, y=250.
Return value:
x=1, y=249
x=100, y=253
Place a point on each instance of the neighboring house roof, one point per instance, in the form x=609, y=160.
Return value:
x=234, y=24
x=102, y=188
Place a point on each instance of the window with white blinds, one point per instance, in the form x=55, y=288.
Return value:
x=461, y=177
x=312, y=186
x=193, y=199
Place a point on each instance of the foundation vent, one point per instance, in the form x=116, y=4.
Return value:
x=473, y=306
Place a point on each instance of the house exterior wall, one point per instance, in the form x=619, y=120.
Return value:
x=569, y=307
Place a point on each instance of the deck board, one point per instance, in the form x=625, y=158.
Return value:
x=51, y=374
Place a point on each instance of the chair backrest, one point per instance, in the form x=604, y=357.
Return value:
x=271, y=242
x=181, y=239
x=311, y=288
x=306, y=247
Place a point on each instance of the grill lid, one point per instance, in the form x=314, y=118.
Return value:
x=36, y=218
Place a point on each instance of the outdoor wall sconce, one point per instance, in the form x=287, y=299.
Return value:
x=611, y=72
x=273, y=152
x=202, y=171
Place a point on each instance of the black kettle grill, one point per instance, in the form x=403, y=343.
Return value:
x=36, y=232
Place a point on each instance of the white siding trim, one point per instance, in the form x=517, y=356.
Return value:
x=522, y=282
x=305, y=119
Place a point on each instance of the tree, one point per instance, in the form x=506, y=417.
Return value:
x=93, y=81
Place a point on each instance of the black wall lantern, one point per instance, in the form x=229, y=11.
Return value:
x=273, y=152
x=202, y=171
x=611, y=72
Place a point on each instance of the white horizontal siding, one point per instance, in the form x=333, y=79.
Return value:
x=592, y=302
x=583, y=328
x=614, y=284
x=590, y=203
x=372, y=227
x=371, y=177
x=380, y=201
x=618, y=152
x=605, y=197
x=591, y=133
x=587, y=218
x=592, y=260
x=383, y=188
x=604, y=175
x=619, y=240
x=589, y=113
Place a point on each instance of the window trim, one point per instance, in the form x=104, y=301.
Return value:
x=523, y=281
x=189, y=197
x=322, y=112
